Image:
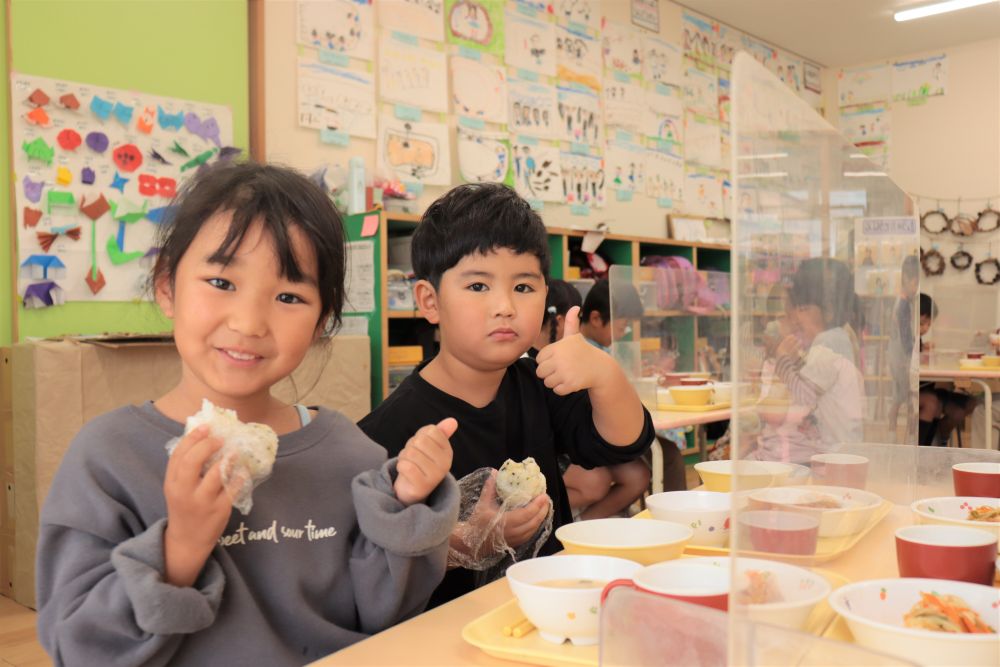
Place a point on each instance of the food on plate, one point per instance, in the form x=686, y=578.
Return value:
x=519, y=483
x=762, y=588
x=945, y=613
x=821, y=501
x=985, y=513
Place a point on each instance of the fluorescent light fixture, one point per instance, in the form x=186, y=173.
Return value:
x=863, y=174
x=766, y=174
x=938, y=8
x=857, y=156
x=763, y=156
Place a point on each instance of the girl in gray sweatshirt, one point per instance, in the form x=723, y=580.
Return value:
x=141, y=560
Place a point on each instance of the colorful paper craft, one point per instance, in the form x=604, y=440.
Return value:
x=87, y=176
x=96, y=208
x=38, y=98
x=119, y=182
x=207, y=128
x=97, y=142
x=69, y=102
x=39, y=150
x=169, y=121
x=46, y=239
x=128, y=158
x=64, y=176
x=32, y=189
x=43, y=295
x=123, y=113
x=101, y=107
x=38, y=116
x=31, y=216
x=58, y=198
x=68, y=139
x=43, y=267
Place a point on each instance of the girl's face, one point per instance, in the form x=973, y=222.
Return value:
x=240, y=328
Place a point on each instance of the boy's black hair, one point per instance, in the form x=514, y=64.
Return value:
x=626, y=298
x=278, y=198
x=911, y=267
x=927, y=307
x=476, y=218
x=561, y=297
x=828, y=284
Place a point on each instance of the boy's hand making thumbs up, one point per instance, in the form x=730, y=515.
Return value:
x=572, y=364
x=424, y=462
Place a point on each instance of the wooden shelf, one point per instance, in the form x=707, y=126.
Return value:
x=650, y=240
x=404, y=315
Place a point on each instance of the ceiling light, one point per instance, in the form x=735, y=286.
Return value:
x=938, y=8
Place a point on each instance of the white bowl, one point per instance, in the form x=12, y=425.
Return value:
x=565, y=613
x=952, y=511
x=718, y=475
x=874, y=612
x=856, y=510
x=645, y=542
x=705, y=512
x=722, y=392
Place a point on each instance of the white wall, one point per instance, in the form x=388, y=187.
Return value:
x=949, y=147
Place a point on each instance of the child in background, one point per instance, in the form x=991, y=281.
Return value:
x=560, y=298
x=605, y=491
x=902, y=339
x=481, y=256
x=141, y=559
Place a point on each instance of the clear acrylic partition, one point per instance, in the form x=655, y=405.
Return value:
x=966, y=315
x=641, y=629
x=668, y=322
x=825, y=352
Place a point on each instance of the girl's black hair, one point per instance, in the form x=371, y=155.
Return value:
x=829, y=285
x=276, y=197
x=476, y=218
x=561, y=297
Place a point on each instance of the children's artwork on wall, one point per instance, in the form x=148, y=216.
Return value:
x=95, y=170
x=790, y=71
x=862, y=85
x=580, y=118
x=725, y=100
x=702, y=141
x=483, y=156
x=701, y=92
x=537, y=171
x=582, y=179
x=701, y=38
x=664, y=176
x=663, y=115
x=412, y=75
x=578, y=57
x=344, y=26
x=479, y=90
x=336, y=98
x=414, y=151
x=586, y=13
x=622, y=49
x=625, y=166
x=923, y=77
x=867, y=127
x=477, y=24
x=420, y=18
x=533, y=109
x=702, y=193
x=661, y=61
x=623, y=103
x=531, y=44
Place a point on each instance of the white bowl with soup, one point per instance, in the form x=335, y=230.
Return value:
x=561, y=595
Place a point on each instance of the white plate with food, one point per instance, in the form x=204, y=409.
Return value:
x=841, y=510
x=968, y=511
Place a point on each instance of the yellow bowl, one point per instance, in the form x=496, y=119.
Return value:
x=699, y=395
x=718, y=475
x=991, y=361
x=645, y=542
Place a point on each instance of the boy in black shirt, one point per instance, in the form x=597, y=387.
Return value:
x=481, y=256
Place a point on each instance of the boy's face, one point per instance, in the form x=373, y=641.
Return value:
x=925, y=324
x=489, y=308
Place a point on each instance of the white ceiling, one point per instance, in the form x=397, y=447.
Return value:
x=849, y=32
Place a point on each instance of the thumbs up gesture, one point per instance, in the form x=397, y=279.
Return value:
x=571, y=363
x=424, y=462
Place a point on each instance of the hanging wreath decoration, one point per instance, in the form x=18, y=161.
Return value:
x=962, y=225
x=988, y=220
x=934, y=222
x=961, y=260
x=985, y=268
x=933, y=263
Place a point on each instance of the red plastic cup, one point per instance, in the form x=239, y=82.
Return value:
x=946, y=552
x=688, y=581
x=980, y=479
x=840, y=470
x=775, y=531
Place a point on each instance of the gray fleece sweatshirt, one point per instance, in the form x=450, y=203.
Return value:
x=327, y=556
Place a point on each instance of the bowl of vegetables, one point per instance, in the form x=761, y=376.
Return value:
x=968, y=511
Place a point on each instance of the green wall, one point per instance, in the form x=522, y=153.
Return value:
x=6, y=289
x=191, y=49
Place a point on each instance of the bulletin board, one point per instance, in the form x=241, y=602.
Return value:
x=176, y=50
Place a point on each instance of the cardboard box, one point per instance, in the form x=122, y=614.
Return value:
x=58, y=386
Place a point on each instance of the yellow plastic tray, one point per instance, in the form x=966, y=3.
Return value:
x=673, y=407
x=486, y=633
x=827, y=548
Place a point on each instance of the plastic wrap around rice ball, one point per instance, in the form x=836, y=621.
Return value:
x=247, y=453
